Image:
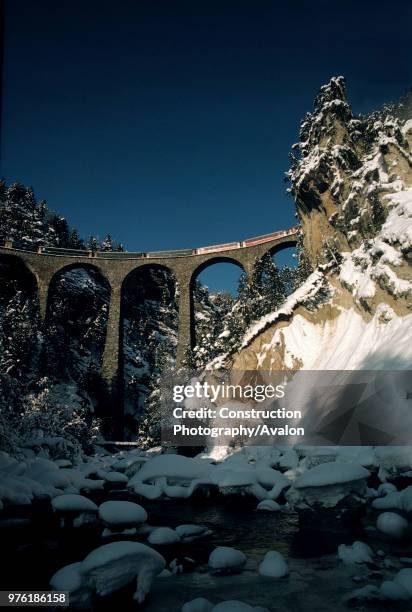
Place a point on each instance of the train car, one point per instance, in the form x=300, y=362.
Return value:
x=217, y=248
x=262, y=239
x=268, y=237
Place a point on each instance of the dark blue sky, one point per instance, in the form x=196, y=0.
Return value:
x=169, y=123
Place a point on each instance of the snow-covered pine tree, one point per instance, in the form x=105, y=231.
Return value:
x=75, y=242
x=106, y=244
x=21, y=219
x=92, y=244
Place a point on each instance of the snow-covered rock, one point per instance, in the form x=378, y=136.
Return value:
x=226, y=560
x=273, y=565
x=232, y=476
x=74, y=510
x=122, y=513
x=404, y=579
x=268, y=505
x=330, y=474
x=188, y=533
x=367, y=593
x=107, y=569
x=359, y=552
x=399, y=500
x=69, y=578
x=174, y=467
x=116, y=479
x=392, y=524
x=162, y=536
x=200, y=604
x=170, y=475
x=385, y=488
x=73, y=504
x=393, y=591
x=233, y=605
x=327, y=484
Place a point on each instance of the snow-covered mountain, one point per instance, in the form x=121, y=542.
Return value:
x=351, y=179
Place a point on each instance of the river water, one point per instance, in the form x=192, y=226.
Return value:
x=37, y=546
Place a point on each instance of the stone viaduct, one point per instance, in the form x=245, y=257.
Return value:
x=185, y=265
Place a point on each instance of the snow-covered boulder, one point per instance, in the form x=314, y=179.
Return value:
x=367, y=593
x=115, y=480
x=109, y=568
x=385, y=488
x=398, y=589
x=163, y=536
x=121, y=464
x=200, y=604
x=268, y=505
x=404, y=578
x=327, y=484
x=226, y=560
x=273, y=565
x=233, y=476
x=176, y=468
x=47, y=473
x=238, y=474
x=20, y=491
x=269, y=483
x=171, y=476
x=188, y=533
x=393, y=591
x=233, y=605
x=122, y=514
x=74, y=509
x=392, y=525
x=69, y=578
x=112, y=566
x=359, y=552
x=399, y=500
x=73, y=503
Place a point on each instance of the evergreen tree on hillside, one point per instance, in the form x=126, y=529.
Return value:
x=18, y=338
x=61, y=230
x=211, y=310
x=304, y=268
x=268, y=287
x=30, y=224
x=75, y=242
x=106, y=244
x=21, y=219
x=92, y=244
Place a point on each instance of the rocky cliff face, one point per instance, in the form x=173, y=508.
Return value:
x=343, y=166
x=351, y=180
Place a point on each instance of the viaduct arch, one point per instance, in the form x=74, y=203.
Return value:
x=48, y=262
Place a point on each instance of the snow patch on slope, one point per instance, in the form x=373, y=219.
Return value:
x=347, y=342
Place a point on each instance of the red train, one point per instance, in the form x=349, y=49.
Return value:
x=229, y=246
